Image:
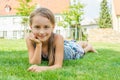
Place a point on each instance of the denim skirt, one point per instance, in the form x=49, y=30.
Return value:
x=72, y=50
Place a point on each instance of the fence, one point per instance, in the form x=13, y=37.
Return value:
x=67, y=33
x=71, y=33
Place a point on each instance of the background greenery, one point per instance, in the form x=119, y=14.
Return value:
x=105, y=20
x=102, y=66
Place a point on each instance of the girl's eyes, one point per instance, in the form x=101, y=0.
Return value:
x=45, y=27
x=37, y=27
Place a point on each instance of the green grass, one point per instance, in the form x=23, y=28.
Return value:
x=102, y=66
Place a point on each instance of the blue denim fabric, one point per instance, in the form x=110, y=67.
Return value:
x=72, y=50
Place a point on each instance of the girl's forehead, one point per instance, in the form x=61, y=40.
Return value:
x=40, y=20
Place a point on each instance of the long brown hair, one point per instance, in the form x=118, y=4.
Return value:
x=49, y=15
x=51, y=51
x=43, y=12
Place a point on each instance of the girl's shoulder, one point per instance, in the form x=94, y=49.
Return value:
x=58, y=38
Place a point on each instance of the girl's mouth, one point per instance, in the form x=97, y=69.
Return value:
x=41, y=36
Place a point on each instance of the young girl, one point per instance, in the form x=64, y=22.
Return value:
x=43, y=44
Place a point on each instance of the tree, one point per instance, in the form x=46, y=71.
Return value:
x=105, y=20
x=72, y=18
x=24, y=10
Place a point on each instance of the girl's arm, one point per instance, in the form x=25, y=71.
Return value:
x=59, y=51
x=34, y=53
x=59, y=46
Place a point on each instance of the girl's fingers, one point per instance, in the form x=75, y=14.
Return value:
x=35, y=68
x=34, y=40
x=38, y=69
x=32, y=68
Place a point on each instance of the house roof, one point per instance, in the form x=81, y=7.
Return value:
x=117, y=7
x=56, y=6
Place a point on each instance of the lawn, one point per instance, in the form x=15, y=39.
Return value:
x=102, y=66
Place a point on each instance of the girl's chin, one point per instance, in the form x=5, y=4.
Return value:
x=43, y=40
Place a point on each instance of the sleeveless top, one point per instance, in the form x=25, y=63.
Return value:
x=72, y=50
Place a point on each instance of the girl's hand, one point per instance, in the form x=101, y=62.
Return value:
x=34, y=38
x=36, y=68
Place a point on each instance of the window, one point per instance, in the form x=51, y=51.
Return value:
x=72, y=2
x=57, y=18
x=4, y=34
x=1, y=34
x=7, y=8
x=14, y=34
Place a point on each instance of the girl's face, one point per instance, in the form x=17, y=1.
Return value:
x=42, y=28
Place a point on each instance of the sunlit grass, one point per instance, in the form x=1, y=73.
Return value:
x=102, y=66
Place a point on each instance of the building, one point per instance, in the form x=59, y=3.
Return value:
x=116, y=14
x=10, y=23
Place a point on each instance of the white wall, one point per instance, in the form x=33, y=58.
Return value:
x=10, y=24
x=115, y=19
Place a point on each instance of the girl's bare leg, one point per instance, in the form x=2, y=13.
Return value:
x=87, y=47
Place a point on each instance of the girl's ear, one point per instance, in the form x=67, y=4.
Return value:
x=53, y=26
x=30, y=27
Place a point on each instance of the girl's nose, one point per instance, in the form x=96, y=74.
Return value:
x=41, y=32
